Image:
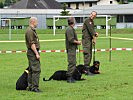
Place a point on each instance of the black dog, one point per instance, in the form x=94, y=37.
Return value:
x=61, y=74
x=95, y=68
x=22, y=82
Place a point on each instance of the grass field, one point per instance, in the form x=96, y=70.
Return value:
x=114, y=83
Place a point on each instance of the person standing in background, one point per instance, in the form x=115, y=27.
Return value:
x=88, y=38
x=33, y=46
x=71, y=46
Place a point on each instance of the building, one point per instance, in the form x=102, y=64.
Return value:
x=41, y=14
x=107, y=2
x=79, y=4
x=123, y=13
x=16, y=22
x=85, y=4
x=36, y=4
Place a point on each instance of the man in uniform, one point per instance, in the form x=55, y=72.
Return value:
x=33, y=46
x=88, y=37
x=71, y=46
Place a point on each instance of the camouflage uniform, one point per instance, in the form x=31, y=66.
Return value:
x=71, y=50
x=87, y=35
x=34, y=64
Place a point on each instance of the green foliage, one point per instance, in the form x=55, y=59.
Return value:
x=7, y=3
x=130, y=0
x=64, y=12
x=120, y=1
x=1, y=5
x=13, y=1
x=124, y=1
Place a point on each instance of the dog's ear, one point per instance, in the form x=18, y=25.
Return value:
x=96, y=62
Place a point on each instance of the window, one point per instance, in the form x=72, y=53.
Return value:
x=79, y=19
x=77, y=5
x=69, y=5
x=128, y=18
x=19, y=27
x=111, y=2
x=120, y=18
x=59, y=27
x=90, y=4
x=50, y=27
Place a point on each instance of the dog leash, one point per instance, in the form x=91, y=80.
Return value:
x=79, y=54
x=94, y=53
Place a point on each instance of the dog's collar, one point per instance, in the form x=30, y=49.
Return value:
x=79, y=72
x=27, y=71
x=85, y=72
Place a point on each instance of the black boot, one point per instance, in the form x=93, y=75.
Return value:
x=36, y=90
x=71, y=80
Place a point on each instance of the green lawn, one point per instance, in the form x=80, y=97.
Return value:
x=19, y=34
x=114, y=83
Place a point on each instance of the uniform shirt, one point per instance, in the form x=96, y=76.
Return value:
x=88, y=28
x=31, y=38
x=70, y=37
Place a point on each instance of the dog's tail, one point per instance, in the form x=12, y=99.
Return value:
x=48, y=79
x=45, y=79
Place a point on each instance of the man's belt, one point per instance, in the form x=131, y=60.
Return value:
x=32, y=50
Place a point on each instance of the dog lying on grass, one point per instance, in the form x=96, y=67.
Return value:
x=61, y=74
x=22, y=82
x=95, y=68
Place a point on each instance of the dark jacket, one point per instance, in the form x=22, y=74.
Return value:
x=70, y=36
x=31, y=38
x=88, y=30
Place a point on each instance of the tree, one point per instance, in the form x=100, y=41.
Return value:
x=1, y=5
x=120, y=1
x=130, y=0
x=64, y=12
x=123, y=1
x=7, y=2
x=13, y=1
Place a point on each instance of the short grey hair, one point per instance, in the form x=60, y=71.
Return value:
x=32, y=19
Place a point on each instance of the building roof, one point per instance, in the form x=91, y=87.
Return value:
x=109, y=9
x=36, y=4
x=61, y=1
x=34, y=11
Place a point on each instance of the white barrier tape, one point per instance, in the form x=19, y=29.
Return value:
x=47, y=51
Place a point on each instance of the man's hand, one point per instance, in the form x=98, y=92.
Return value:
x=78, y=42
x=96, y=34
x=33, y=47
x=94, y=40
x=38, y=56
